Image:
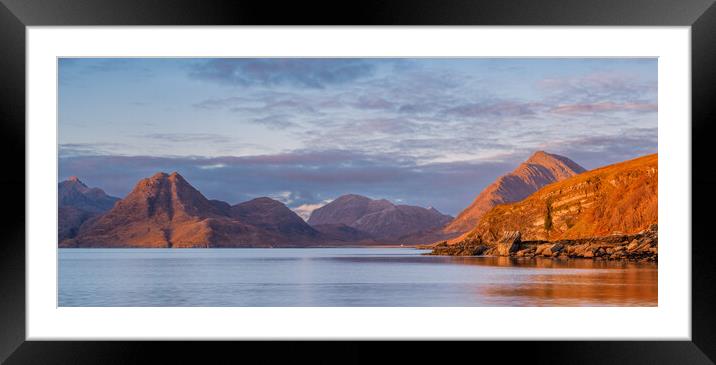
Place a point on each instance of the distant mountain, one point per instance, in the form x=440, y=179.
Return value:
x=74, y=193
x=380, y=219
x=344, y=233
x=78, y=203
x=617, y=199
x=274, y=216
x=166, y=211
x=540, y=169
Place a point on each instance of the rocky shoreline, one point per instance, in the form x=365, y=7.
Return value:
x=641, y=246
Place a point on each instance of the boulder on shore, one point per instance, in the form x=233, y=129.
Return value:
x=509, y=243
x=553, y=250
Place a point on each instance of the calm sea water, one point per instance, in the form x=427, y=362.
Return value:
x=352, y=277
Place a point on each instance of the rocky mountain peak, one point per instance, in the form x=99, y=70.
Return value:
x=77, y=203
x=540, y=169
x=74, y=193
x=538, y=155
x=73, y=183
x=159, y=176
x=559, y=165
x=168, y=196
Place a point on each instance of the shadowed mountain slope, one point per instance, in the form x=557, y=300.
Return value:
x=78, y=203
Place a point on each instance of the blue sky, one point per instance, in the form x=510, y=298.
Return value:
x=429, y=132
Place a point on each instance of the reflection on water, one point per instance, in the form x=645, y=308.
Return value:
x=343, y=277
x=629, y=284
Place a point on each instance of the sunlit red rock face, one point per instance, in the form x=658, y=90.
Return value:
x=617, y=199
x=166, y=211
x=78, y=203
x=540, y=169
x=379, y=219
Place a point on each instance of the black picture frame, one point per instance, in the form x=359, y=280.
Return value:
x=16, y=15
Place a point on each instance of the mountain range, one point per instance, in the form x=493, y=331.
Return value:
x=546, y=197
x=377, y=219
x=166, y=211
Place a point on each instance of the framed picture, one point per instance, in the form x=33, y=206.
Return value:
x=406, y=171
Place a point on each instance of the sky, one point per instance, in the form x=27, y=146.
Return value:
x=419, y=131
